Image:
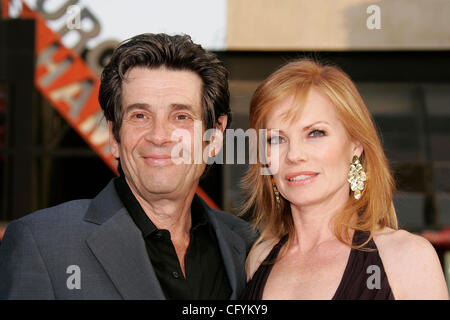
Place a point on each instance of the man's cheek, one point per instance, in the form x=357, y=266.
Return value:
x=181, y=150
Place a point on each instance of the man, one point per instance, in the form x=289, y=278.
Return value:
x=146, y=235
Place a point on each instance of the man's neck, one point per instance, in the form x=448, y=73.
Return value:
x=169, y=212
x=172, y=214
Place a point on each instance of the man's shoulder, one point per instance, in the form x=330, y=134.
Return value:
x=52, y=231
x=67, y=213
x=70, y=213
x=58, y=222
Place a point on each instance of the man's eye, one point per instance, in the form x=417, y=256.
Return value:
x=182, y=117
x=139, y=116
x=317, y=133
x=275, y=140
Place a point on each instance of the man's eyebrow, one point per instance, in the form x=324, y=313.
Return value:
x=181, y=106
x=195, y=112
x=137, y=106
x=174, y=106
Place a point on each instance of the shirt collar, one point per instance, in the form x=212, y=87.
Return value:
x=140, y=218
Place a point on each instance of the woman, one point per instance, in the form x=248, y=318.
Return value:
x=328, y=225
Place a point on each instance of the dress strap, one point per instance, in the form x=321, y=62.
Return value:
x=364, y=277
x=255, y=287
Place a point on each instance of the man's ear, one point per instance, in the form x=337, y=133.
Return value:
x=113, y=144
x=221, y=125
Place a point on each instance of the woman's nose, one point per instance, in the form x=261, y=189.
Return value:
x=297, y=152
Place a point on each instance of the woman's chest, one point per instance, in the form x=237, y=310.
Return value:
x=308, y=277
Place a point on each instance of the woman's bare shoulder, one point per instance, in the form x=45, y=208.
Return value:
x=257, y=254
x=402, y=242
x=411, y=264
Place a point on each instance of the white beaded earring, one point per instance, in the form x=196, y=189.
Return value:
x=356, y=177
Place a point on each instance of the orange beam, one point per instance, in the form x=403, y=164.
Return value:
x=77, y=72
x=207, y=199
x=5, y=8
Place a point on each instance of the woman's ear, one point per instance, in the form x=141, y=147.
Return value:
x=357, y=148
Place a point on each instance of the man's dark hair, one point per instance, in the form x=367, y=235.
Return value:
x=174, y=53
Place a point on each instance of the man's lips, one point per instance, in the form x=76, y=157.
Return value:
x=157, y=159
x=157, y=156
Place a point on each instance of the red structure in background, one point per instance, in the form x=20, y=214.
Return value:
x=72, y=79
x=439, y=239
x=66, y=81
x=5, y=8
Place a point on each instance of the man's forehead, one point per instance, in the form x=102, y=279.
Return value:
x=176, y=89
x=160, y=74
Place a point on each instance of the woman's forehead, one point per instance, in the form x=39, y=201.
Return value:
x=295, y=109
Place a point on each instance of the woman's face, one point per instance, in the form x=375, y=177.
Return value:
x=314, y=152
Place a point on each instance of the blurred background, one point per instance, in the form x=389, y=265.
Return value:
x=54, y=140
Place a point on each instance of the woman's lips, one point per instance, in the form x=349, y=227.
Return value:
x=300, y=178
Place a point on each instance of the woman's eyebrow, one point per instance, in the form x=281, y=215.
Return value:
x=273, y=129
x=313, y=124
x=304, y=128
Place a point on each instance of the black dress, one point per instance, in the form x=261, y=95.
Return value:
x=358, y=281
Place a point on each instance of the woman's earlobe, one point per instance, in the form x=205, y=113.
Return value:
x=358, y=149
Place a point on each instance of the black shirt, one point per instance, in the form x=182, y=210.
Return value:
x=206, y=277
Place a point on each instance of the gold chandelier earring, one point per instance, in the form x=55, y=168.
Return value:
x=356, y=177
x=276, y=192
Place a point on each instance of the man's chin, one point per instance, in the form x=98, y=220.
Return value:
x=161, y=184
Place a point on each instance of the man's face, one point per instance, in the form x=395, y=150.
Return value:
x=155, y=103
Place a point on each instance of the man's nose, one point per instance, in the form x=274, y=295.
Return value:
x=159, y=133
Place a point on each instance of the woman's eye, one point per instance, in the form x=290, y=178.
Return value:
x=275, y=140
x=317, y=133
